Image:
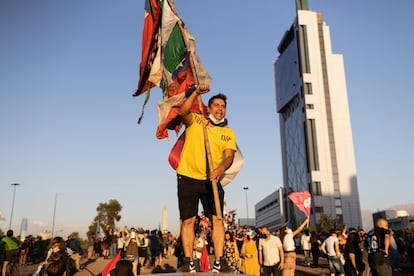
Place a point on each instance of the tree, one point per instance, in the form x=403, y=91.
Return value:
x=326, y=223
x=108, y=215
x=409, y=231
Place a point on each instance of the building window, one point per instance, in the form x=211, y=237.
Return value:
x=338, y=210
x=305, y=48
x=318, y=209
x=338, y=202
x=316, y=188
x=308, y=88
x=313, y=145
x=310, y=106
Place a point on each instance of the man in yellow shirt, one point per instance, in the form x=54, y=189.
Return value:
x=195, y=177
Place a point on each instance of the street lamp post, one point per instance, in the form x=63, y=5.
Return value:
x=14, y=195
x=247, y=206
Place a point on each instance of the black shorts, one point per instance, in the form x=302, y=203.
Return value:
x=10, y=254
x=191, y=191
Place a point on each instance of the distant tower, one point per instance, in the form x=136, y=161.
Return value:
x=315, y=126
x=164, y=226
x=23, y=229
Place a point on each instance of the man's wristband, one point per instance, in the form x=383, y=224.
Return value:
x=190, y=90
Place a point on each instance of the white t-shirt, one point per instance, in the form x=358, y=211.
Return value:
x=288, y=242
x=270, y=250
x=304, y=241
x=329, y=245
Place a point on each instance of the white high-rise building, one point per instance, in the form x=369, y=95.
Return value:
x=315, y=126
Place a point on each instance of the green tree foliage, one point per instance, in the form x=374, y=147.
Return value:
x=326, y=223
x=409, y=231
x=107, y=216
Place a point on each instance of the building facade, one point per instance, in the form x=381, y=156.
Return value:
x=315, y=126
x=398, y=220
x=271, y=211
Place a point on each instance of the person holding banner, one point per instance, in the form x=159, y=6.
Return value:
x=287, y=237
x=194, y=176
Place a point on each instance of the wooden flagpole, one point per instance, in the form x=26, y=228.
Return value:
x=214, y=182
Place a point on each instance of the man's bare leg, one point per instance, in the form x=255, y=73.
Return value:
x=217, y=237
x=187, y=236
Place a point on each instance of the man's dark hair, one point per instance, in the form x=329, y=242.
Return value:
x=218, y=96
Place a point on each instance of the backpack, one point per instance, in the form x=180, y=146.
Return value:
x=70, y=264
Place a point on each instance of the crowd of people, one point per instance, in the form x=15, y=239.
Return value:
x=246, y=250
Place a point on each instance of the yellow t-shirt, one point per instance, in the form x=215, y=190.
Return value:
x=193, y=161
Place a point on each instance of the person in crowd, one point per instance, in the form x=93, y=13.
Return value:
x=24, y=251
x=306, y=246
x=200, y=245
x=171, y=244
x=120, y=241
x=195, y=178
x=378, y=243
x=55, y=265
x=155, y=247
x=122, y=268
x=142, y=246
x=97, y=247
x=315, y=249
x=240, y=237
x=113, y=245
x=131, y=250
x=59, y=248
x=105, y=244
x=271, y=255
x=354, y=264
x=363, y=246
x=250, y=255
x=287, y=237
x=395, y=256
x=330, y=247
x=74, y=244
x=11, y=246
x=231, y=253
x=91, y=252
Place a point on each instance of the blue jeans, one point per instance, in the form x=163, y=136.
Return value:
x=335, y=265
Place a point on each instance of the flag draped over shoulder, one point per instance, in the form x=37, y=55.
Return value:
x=169, y=60
x=302, y=200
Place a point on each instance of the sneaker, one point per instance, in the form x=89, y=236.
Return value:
x=188, y=267
x=221, y=267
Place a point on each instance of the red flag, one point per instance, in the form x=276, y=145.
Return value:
x=112, y=264
x=204, y=261
x=231, y=212
x=302, y=200
x=152, y=21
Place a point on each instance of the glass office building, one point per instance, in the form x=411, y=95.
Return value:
x=315, y=126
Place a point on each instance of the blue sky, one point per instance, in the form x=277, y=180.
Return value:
x=68, y=120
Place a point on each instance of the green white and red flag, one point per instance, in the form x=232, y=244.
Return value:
x=170, y=63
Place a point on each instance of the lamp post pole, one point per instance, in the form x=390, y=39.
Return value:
x=247, y=206
x=14, y=195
